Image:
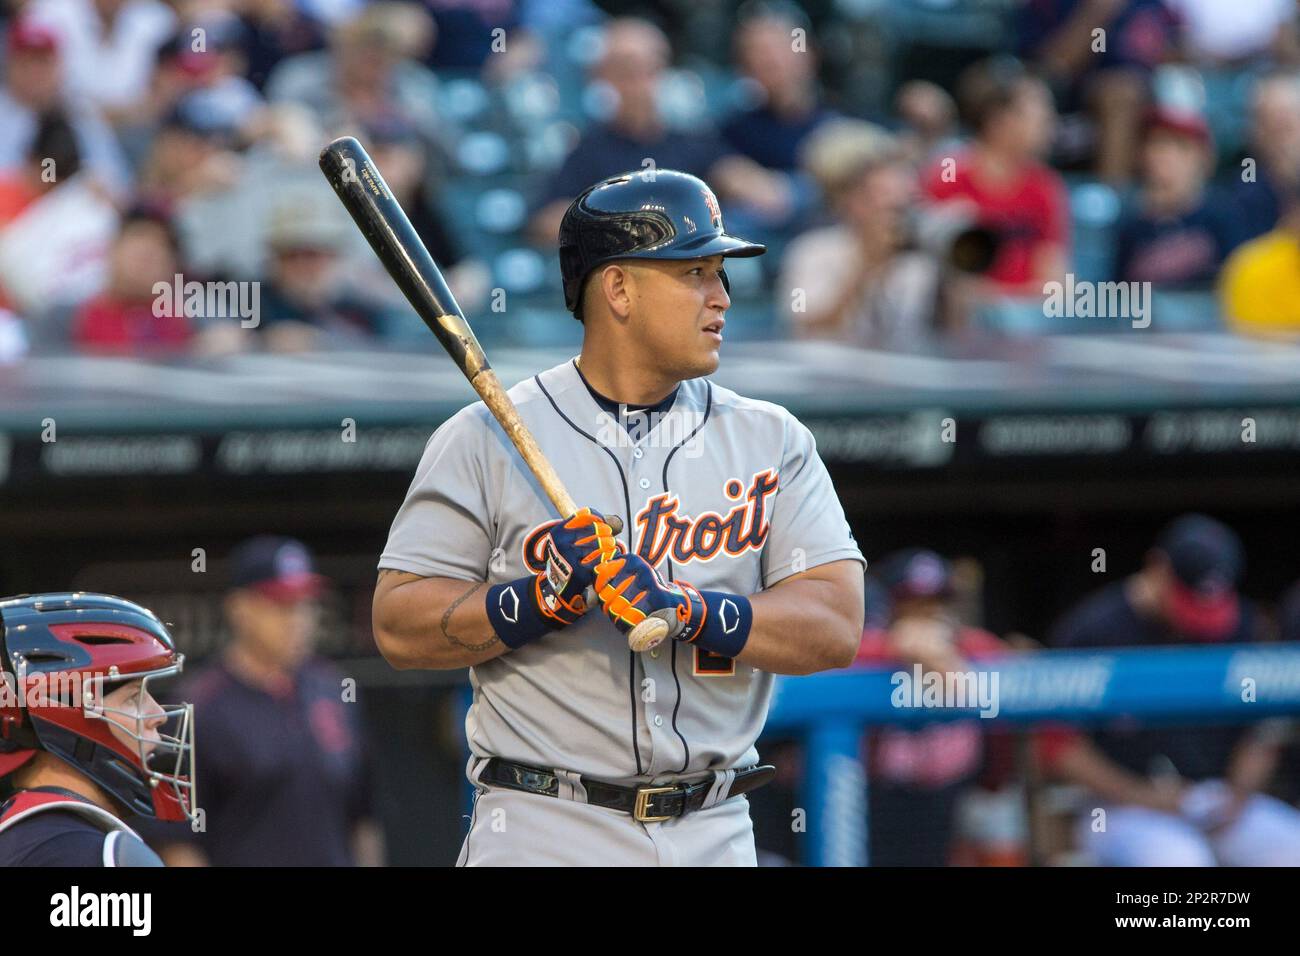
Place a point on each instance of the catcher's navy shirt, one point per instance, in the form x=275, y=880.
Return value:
x=281, y=777
x=57, y=835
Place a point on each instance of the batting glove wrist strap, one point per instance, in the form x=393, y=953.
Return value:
x=525, y=609
x=630, y=590
x=726, y=624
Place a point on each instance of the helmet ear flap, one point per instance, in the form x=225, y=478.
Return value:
x=726, y=283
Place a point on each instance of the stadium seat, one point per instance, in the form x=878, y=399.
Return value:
x=958, y=23
x=1017, y=317
x=483, y=153
x=1227, y=95
x=545, y=147
x=542, y=326
x=520, y=270
x=724, y=92
x=531, y=99
x=500, y=210
x=404, y=330
x=486, y=213
x=463, y=99
x=1170, y=311
x=1178, y=311
x=1095, y=209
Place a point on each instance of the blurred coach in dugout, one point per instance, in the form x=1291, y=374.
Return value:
x=1175, y=795
x=284, y=778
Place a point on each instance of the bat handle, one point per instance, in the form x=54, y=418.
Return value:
x=493, y=393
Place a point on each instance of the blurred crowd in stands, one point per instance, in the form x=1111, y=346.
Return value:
x=1125, y=793
x=919, y=172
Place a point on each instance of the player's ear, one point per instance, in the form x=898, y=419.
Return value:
x=618, y=284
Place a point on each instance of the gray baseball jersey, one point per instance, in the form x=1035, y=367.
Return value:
x=722, y=491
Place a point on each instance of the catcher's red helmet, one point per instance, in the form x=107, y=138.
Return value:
x=60, y=655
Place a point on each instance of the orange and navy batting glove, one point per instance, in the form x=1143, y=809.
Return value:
x=525, y=609
x=630, y=590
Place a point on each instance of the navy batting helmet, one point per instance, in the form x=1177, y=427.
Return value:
x=653, y=214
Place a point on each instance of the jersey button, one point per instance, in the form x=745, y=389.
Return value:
x=638, y=452
x=659, y=721
x=644, y=483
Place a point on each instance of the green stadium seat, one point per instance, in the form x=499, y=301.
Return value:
x=1095, y=210
x=520, y=270
x=1227, y=98
x=463, y=98
x=1177, y=311
x=956, y=23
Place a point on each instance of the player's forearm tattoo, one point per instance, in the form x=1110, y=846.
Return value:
x=446, y=619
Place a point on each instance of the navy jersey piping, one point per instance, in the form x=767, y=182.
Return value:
x=627, y=503
x=708, y=408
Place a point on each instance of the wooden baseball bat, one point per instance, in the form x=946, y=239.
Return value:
x=380, y=217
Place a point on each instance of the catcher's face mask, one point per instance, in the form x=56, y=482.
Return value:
x=159, y=738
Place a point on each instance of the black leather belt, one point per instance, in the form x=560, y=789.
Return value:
x=647, y=804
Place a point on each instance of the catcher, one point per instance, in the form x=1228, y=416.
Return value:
x=83, y=743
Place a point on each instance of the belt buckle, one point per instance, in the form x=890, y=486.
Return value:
x=643, y=795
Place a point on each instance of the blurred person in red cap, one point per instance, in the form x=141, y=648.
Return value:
x=1001, y=177
x=33, y=86
x=918, y=776
x=285, y=781
x=1179, y=231
x=1175, y=795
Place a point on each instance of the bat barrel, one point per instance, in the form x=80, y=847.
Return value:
x=356, y=180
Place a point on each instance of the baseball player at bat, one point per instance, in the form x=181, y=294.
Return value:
x=584, y=750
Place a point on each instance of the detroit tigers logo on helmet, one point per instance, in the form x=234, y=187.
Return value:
x=715, y=211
